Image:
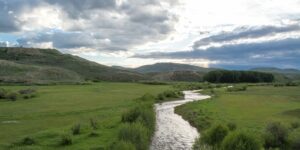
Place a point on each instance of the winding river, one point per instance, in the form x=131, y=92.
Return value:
x=173, y=132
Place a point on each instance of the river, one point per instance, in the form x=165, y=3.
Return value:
x=173, y=132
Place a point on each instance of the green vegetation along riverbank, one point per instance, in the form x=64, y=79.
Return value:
x=252, y=111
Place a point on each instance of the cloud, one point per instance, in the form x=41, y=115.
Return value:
x=4, y=44
x=105, y=25
x=270, y=53
x=246, y=32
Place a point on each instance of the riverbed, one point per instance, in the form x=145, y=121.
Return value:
x=172, y=131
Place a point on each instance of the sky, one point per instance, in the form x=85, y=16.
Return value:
x=231, y=34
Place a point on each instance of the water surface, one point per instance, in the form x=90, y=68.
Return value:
x=173, y=132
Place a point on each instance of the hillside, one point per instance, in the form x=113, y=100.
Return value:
x=170, y=67
x=67, y=67
x=280, y=74
x=277, y=70
x=189, y=76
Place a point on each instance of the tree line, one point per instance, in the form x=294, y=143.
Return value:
x=226, y=76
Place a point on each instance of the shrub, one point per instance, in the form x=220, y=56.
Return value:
x=147, y=97
x=199, y=145
x=278, y=84
x=121, y=145
x=295, y=125
x=276, y=136
x=215, y=135
x=168, y=95
x=295, y=140
x=240, y=141
x=237, y=88
x=76, y=129
x=94, y=134
x=93, y=124
x=147, y=118
x=291, y=84
x=161, y=97
x=142, y=114
x=136, y=134
x=12, y=96
x=131, y=115
x=3, y=93
x=65, y=140
x=231, y=126
x=27, y=91
x=28, y=141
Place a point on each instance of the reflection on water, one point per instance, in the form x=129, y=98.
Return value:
x=172, y=132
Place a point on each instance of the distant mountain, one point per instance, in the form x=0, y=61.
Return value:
x=42, y=65
x=280, y=74
x=170, y=67
x=189, y=76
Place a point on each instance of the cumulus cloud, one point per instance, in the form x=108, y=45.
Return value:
x=105, y=25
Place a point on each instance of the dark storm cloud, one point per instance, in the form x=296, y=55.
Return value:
x=246, y=33
x=275, y=52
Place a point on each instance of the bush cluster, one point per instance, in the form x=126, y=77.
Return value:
x=169, y=95
x=290, y=83
x=13, y=96
x=220, y=137
x=237, y=88
x=275, y=136
x=138, y=125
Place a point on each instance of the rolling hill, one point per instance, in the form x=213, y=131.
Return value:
x=170, y=67
x=42, y=65
x=280, y=74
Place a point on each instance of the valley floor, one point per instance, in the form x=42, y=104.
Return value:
x=56, y=109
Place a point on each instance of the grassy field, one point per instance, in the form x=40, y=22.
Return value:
x=56, y=109
x=250, y=110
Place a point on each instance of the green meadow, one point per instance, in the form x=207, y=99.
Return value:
x=249, y=110
x=57, y=108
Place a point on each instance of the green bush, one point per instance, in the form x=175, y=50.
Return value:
x=93, y=124
x=215, y=135
x=240, y=141
x=27, y=91
x=276, y=136
x=291, y=84
x=136, y=134
x=65, y=140
x=143, y=114
x=237, y=88
x=167, y=95
x=231, y=126
x=131, y=115
x=12, y=96
x=294, y=139
x=28, y=141
x=161, y=97
x=121, y=145
x=199, y=145
x=94, y=134
x=147, y=97
x=76, y=129
x=3, y=93
x=295, y=125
